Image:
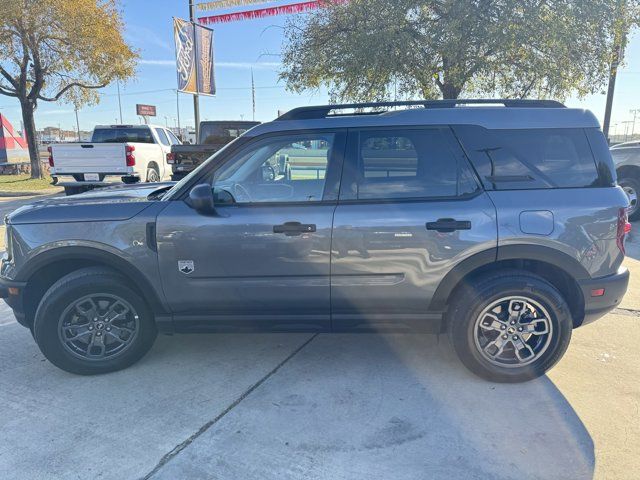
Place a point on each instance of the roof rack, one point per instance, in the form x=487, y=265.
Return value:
x=323, y=111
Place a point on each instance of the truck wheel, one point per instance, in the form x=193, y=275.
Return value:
x=510, y=326
x=90, y=321
x=153, y=175
x=631, y=187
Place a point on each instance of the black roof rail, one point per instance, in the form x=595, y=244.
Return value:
x=322, y=111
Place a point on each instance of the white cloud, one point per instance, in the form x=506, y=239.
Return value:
x=54, y=112
x=168, y=63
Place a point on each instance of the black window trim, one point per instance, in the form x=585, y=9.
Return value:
x=350, y=167
x=551, y=185
x=333, y=173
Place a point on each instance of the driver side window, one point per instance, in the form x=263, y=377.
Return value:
x=283, y=169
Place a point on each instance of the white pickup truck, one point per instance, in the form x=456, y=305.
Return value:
x=134, y=153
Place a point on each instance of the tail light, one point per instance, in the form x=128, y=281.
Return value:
x=624, y=227
x=50, y=150
x=131, y=158
x=171, y=158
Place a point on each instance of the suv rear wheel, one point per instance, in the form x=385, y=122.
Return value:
x=509, y=327
x=91, y=322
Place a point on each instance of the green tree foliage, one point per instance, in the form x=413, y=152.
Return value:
x=54, y=50
x=380, y=49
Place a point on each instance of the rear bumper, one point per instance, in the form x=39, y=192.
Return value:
x=615, y=286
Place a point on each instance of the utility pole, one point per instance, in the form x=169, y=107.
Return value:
x=253, y=95
x=178, y=107
x=196, y=104
x=635, y=113
x=613, y=71
x=119, y=102
x=78, y=124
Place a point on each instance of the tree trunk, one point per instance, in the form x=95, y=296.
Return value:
x=450, y=91
x=30, y=132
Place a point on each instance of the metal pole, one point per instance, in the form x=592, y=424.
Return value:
x=78, y=125
x=612, y=85
x=178, y=108
x=196, y=105
x=635, y=114
x=253, y=95
x=119, y=102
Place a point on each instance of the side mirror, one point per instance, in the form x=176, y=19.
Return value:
x=201, y=199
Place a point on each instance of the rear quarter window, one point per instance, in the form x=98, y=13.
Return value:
x=530, y=159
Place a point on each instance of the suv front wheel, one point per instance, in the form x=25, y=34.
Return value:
x=510, y=326
x=90, y=321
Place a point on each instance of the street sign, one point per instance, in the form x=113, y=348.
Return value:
x=146, y=110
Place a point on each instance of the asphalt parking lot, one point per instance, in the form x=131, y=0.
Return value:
x=297, y=406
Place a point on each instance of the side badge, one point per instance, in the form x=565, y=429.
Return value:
x=186, y=266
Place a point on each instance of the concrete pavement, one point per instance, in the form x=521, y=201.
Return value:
x=296, y=406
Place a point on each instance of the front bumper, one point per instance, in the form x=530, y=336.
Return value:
x=12, y=293
x=615, y=286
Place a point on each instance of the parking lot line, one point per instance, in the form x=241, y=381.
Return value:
x=212, y=422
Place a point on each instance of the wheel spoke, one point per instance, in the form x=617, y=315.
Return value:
x=77, y=336
x=97, y=342
x=121, y=334
x=536, y=326
x=495, y=347
x=492, y=323
x=117, y=311
x=522, y=350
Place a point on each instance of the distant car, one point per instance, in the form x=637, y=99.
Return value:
x=116, y=153
x=626, y=158
x=213, y=136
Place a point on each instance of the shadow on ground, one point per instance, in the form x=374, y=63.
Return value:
x=382, y=407
x=344, y=407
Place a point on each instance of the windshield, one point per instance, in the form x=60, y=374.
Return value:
x=178, y=186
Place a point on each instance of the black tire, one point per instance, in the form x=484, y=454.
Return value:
x=153, y=175
x=76, y=285
x=631, y=186
x=469, y=303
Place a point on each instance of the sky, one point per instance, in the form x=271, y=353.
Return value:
x=239, y=47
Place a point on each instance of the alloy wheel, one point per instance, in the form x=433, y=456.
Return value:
x=513, y=331
x=98, y=327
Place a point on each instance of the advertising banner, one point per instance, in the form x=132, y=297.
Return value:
x=145, y=110
x=194, y=57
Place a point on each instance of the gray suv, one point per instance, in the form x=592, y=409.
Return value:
x=499, y=222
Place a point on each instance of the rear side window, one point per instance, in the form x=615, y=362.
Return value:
x=162, y=136
x=122, y=135
x=529, y=159
x=410, y=163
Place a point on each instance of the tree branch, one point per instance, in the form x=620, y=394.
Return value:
x=8, y=92
x=56, y=97
x=6, y=75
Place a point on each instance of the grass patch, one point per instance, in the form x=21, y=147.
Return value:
x=24, y=183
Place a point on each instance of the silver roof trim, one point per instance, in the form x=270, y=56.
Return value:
x=487, y=117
